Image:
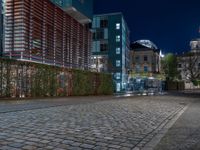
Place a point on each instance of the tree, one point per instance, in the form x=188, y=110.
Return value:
x=190, y=66
x=169, y=67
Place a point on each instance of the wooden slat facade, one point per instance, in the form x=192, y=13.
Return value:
x=39, y=31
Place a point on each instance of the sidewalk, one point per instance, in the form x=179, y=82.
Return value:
x=185, y=93
x=185, y=133
x=10, y=105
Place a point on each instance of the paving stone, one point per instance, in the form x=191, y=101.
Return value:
x=44, y=141
x=8, y=148
x=114, y=146
x=16, y=145
x=115, y=124
x=65, y=146
x=59, y=149
x=67, y=142
x=127, y=145
x=30, y=143
x=101, y=144
x=136, y=148
x=87, y=146
x=53, y=144
x=49, y=148
x=29, y=147
x=74, y=148
x=34, y=140
x=125, y=148
x=76, y=144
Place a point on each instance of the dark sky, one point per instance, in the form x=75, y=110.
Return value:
x=170, y=24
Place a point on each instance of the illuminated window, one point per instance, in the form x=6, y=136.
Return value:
x=118, y=38
x=118, y=50
x=118, y=63
x=118, y=75
x=117, y=26
x=118, y=87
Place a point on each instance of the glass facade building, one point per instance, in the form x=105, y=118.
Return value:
x=81, y=10
x=42, y=32
x=110, y=50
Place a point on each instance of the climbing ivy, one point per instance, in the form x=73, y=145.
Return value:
x=27, y=79
x=106, y=85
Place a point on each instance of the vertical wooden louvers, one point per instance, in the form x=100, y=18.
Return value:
x=38, y=30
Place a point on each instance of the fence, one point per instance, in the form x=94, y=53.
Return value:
x=27, y=79
x=175, y=85
x=145, y=85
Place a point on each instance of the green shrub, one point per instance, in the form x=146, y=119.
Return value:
x=196, y=82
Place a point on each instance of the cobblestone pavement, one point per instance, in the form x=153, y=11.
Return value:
x=122, y=123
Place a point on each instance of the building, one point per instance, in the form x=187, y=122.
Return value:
x=110, y=52
x=1, y=27
x=81, y=10
x=195, y=45
x=43, y=32
x=145, y=57
x=189, y=63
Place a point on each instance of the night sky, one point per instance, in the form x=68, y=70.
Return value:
x=170, y=24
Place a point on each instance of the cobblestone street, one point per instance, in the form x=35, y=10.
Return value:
x=116, y=123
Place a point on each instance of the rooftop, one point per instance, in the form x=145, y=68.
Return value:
x=144, y=44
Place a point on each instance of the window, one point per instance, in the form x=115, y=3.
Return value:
x=103, y=47
x=104, y=23
x=118, y=63
x=137, y=59
x=118, y=87
x=99, y=35
x=118, y=38
x=145, y=69
x=118, y=75
x=118, y=50
x=59, y=2
x=94, y=36
x=199, y=65
x=145, y=58
x=179, y=65
x=117, y=26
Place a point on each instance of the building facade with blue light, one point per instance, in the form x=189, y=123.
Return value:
x=110, y=50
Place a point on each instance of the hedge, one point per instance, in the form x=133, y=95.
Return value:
x=28, y=79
